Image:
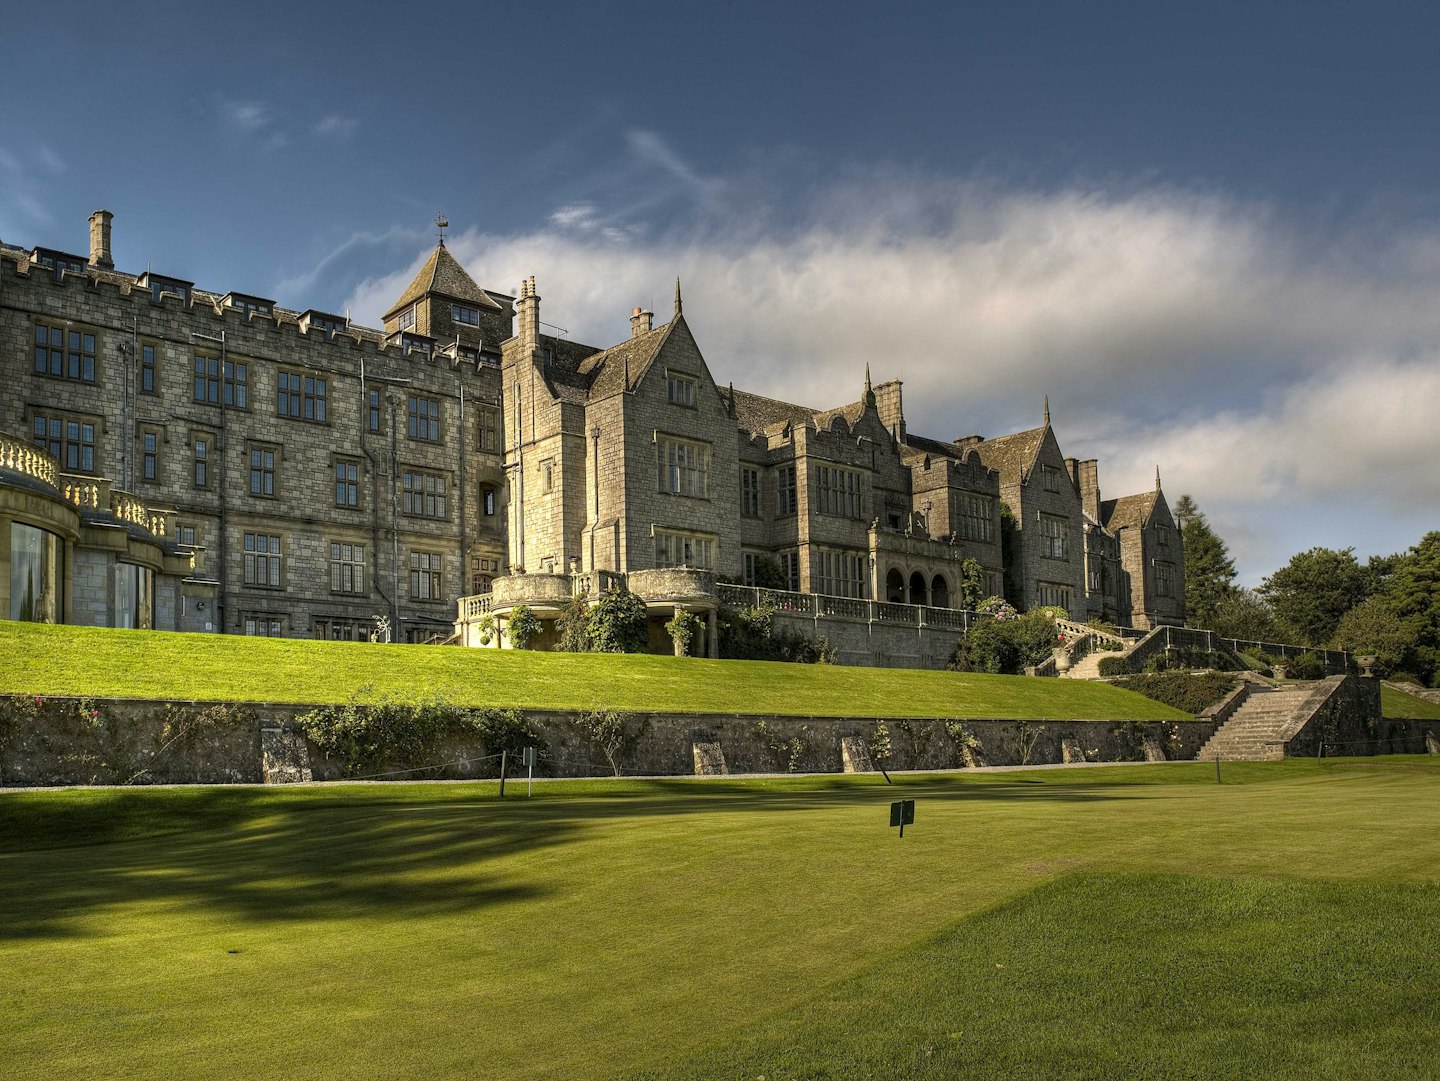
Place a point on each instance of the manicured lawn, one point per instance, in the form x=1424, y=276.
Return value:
x=37, y=659
x=1149, y=923
x=1400, y=706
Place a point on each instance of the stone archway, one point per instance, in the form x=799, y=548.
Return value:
x=895, y=587
x=919, y=591
x=940, y=592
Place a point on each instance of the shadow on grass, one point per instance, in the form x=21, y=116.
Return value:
x=267, y=855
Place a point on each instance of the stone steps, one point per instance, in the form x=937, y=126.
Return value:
x=1257, y=730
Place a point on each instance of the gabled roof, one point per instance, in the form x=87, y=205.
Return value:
x=1012, y=456
x=1128, y=510
x=620, y=367
x=756, y=413
x=442, y=274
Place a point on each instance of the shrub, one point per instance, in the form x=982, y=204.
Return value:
x=1114, y=666
x=618, y=623
x=573, y=627
x=681, y=629
x=787, y=752
x=612, y=732
x=524, y=626
x=1185, y=691
x=367, y=736
x=749, y=634
x=1307, y=666
x=1005, y=646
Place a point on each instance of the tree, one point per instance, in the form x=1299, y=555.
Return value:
x=1373, y=627
x=1310, y=593
x=1244, y=615
x=1209, y=570
x=972, y=581
x=1413, y=591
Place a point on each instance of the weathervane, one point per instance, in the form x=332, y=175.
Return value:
x=441, y=223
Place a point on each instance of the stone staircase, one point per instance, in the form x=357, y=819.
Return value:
x=1088, y=666
x=1265, y=721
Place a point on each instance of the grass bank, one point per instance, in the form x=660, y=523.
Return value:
x=1132, y=919
x=36, y=659
x=1399, y=706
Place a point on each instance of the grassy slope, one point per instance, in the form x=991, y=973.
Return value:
x=36, y=659
x=1129, y=976
x=608, y=928
x=1397, y=705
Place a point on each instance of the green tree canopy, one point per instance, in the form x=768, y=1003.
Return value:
x=1373, y=627
x=1209, y=569
x=1244, y=614
x=1310, y=593
x=1413, y=591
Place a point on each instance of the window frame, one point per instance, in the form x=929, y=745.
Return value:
x=264, y=560
x=347, y=568
x=676, y=473
x=302, y=395
x=420, y=499
x=347, y=483
x=263, y=460
x=72, y=438
x=422, y=412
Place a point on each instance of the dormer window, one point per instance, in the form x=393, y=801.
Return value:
x=160, y=286
x=460, y=313
x=312, y=322
x=249, y=305
x=58, y=261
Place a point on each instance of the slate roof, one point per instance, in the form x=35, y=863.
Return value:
x=1128, y=510
x=934, y=447
x=442, y=274
x=609, y=369
x=1012, y=455
x=756, y=413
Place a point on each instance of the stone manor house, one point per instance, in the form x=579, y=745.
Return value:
x=183, y=459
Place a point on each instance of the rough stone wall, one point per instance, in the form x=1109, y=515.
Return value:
x=126, y=742
x=1349, y=721
x=1029, y=500
x=649, y=418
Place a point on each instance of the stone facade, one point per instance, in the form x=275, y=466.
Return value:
x=324, y=475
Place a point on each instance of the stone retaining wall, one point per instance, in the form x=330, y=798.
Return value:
x=61, y=741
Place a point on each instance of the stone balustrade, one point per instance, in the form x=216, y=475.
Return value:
x=27, y=460
x=129, y=509
x=87, y=493
x=473, y=609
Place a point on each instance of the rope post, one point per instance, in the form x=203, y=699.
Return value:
x=503, y=756
x=1217, y=768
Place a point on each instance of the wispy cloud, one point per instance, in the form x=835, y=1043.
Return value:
x=1280, y=379
x=246, y=116
x=50, y=161
x=336, y=126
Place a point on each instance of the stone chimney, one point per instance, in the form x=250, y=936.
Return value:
x=527, y=312
x=641, y=321
x=100, y=240
x=890, y=407
x=1087, y=479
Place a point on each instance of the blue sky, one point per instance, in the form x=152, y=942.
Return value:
x=1210, y=233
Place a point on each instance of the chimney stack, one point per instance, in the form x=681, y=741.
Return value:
x=890, y=405
x=641, y=321
x=100, y=240
x=1088, y=481
x=527, y=310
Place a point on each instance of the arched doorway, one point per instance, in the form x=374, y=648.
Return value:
x=918, y=593
x=940, y=592
x=894, y=587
